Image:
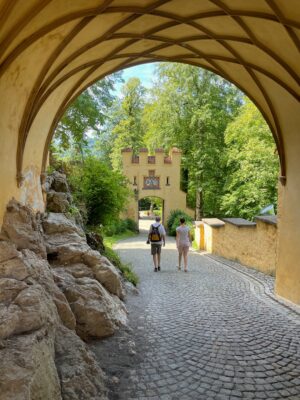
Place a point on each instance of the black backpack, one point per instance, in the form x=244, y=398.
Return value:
x=155, y=235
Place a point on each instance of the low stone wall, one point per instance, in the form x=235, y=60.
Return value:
x=250, y=243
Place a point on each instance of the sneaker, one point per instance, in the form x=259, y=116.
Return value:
x=179, y=268
x=155, y=269
x=158, y=268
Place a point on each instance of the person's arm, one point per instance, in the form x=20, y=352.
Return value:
x=149, y=233
x=163, y=234
x=190, y=237
x=177, y=238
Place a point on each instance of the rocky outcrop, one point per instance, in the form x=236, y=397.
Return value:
x=28, y=321
x=97, y=313
x=58, y=193
x=59, y=198
x=66, y=245
x=41, y=357
x=95, y=241
x=46, y=304
x=77, y=368
x=23, y=228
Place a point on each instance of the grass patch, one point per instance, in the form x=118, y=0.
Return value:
x=113, y=257
x=111, y=240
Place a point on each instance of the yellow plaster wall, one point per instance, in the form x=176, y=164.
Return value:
x=173, y=197
x=288, y=262
x=253, y=246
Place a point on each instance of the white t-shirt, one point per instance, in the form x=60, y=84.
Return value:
x=183, y=235
x=161, y=230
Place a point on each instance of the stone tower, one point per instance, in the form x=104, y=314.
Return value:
x=155, y=176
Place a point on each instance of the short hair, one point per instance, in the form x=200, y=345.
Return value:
x=182, y=220
x=157, y=219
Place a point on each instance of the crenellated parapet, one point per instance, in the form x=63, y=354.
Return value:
x=145, y=157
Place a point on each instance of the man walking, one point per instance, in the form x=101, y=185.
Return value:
x=157, y=238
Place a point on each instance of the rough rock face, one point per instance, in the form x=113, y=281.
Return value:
x=97, y=313
x=58, y=202
x=43, y=306
x=95, y=241
x=57, y=182
x=23, y=227
x=80, y=273
x=77, y=368
x=59, y=198
x=27, y=368
x=58, y=193
x=28, y=321
x=66, y=245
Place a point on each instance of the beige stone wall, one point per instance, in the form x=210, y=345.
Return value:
x=254, y=246
x=171, y=194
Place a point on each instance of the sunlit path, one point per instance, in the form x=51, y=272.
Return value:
x=207, y=334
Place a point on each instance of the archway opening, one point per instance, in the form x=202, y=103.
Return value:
x=148, y=209
x=172, y=112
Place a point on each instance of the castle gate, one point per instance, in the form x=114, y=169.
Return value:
x=155, y=176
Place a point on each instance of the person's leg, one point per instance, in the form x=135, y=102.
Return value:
x=185, y=257
x=158, y=257
x=179, y=257
x=154, y=256
x=155, y=261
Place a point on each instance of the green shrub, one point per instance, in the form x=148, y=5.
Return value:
x=124, y=268
x=120, y=226
x=112, y=228
x=173, y=221
x=103, y=191
x=132, y=225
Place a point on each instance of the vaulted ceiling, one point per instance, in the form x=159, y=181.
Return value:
x=53, y=49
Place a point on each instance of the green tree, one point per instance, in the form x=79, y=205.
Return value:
x=86, y=117
x=103, y=191
x=190, y=108
x=252, y=162
x=127, y=129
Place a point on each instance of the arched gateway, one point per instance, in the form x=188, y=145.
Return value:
x=155, y=176
x=51, y=50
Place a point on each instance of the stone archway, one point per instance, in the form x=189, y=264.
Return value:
x=155, y=176
x=51, y=50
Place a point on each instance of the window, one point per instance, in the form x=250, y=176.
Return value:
x=134, y=181
x=168, y=181
x=151, y=172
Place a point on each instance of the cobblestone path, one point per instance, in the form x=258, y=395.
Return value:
x=210, y=333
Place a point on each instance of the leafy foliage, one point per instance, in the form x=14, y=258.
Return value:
x=190, y=109
x=127, y=129
x=116, y=227
x=252, y=164
x=173, y=221
x=85, y=117
x=103, y=191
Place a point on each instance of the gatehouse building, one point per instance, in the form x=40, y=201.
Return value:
x=155, y=175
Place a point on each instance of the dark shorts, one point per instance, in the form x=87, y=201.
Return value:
x=155, y=248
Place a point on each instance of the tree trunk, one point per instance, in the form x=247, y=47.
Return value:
x=199, y=205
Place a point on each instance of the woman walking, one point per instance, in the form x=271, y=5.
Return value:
x=183, y=242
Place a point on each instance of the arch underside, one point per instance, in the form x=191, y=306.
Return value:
x=58, y=48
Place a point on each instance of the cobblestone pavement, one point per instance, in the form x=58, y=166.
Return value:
x=211, y=333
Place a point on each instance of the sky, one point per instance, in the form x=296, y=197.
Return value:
x=143, y=72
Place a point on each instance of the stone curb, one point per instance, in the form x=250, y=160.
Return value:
x=268, y=290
